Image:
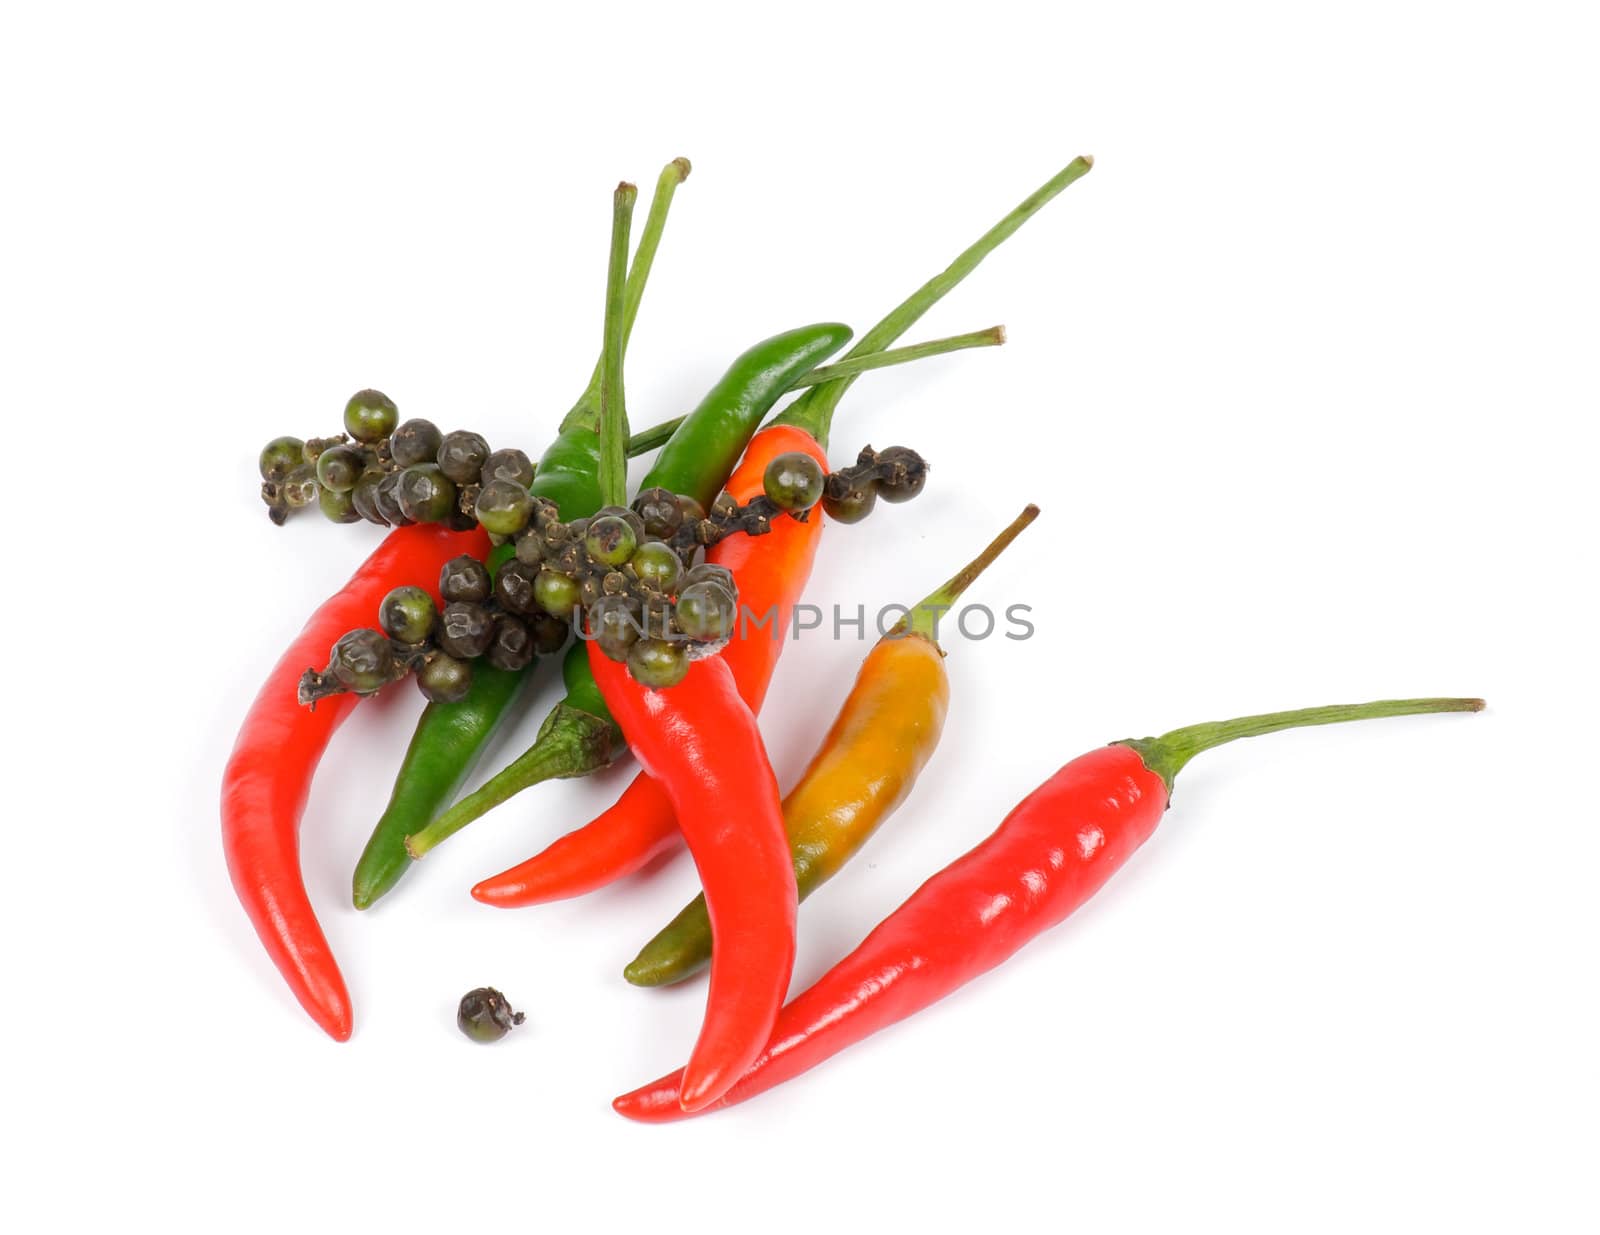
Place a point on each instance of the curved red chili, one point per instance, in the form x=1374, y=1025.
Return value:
x=268, y=777
x=699, y=741
x=1049, y=855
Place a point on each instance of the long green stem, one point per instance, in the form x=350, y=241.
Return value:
x=586, y=410
x=613, y=407
x=925, y=614
x=814, y=412
x=657, y=435
x=1167, y=754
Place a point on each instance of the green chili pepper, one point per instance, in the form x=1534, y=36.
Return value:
x=450, y=737
x=698, y=459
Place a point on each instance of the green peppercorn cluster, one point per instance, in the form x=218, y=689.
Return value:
x=896, y=475
x=393, y=474
x=629, y=578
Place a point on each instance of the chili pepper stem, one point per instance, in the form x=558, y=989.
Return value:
x=1167, y=755
x=813, y=412
x=925, y=614
x=571, y=742
x=613, y=427
x=587, y=409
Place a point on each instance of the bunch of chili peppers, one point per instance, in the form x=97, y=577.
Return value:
x=506, y=562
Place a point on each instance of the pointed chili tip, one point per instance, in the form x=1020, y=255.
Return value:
x=489, y=892
x=699, y=1093
x=334, y=1021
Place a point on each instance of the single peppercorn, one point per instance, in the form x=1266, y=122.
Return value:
x=281, y=456
x=425, y=493
x=902, y=474
x=793, y=481
x=514, y=587
x=465, y=629
x=339, y=507
x=461, y=456
x=407, y=614
x=847, y=500
x=509, y=464
x=485, y=1015
x=464, y=578
x=610, y=540
x=557, y=594
x=361, y=661
x=339, y=468
x=416, y=441
x=364, y=497
x=443, y=679
x=706, y=612
x=616, y=623
x=370, y=416
x=658, y=663
x=656, y=565
x=549, y=633
x=660, y=510
x=504, y=507
x=512, y=646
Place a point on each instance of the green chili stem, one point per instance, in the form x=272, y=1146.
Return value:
x=1167, y=754
x=925, y=614
x=657, y=435
x=586, y=410
x=814, y=411
x=571, y=742
x=613, y=408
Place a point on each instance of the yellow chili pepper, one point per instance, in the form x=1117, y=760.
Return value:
x=883, y=737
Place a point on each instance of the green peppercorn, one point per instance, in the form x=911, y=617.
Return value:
x=706, y=612
x=339, y=468
x=512, y=646
x=610, y=540
x=514, y=587
x=370, y=416
x=660, y=510
x=464, y=630
x=464, y=578
x=426, y=494
x=907, y=476
x=461, y=456
x=504, y=507
x=849, y=502
x=444, y=679
x=416, y=441
x=299, y=488
x=655, y=564
x=281, y=456
x=362, y=661
x=339, y=507
x=658, y=663
x=407, y=614
x=510, y=464
x=793, y=481
x=485, y=1015
x=557, y=594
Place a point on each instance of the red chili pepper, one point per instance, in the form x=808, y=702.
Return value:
x=700, y=742
x=1049, y=855
x=771, y=573
x=268, y=777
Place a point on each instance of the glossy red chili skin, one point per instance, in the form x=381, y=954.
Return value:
x=268, y=776
x=699, y=741
x=1050, y=854
x=770, y=572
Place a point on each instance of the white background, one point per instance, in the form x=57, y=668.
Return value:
x=1302, y=375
